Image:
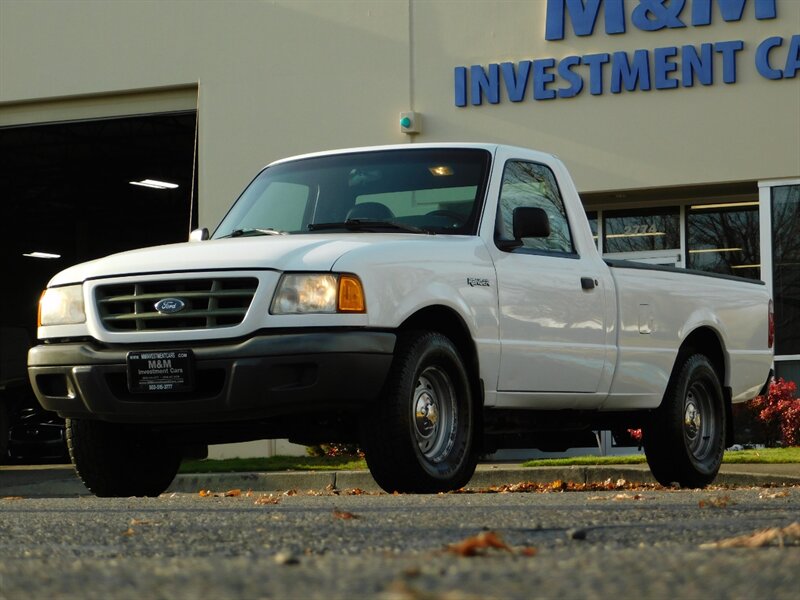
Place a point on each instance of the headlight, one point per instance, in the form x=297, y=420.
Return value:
x=318, y=293
x=62, y=306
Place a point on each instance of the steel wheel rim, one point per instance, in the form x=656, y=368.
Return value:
x=699, y=423
x=434, y=415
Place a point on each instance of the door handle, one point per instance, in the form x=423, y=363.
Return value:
x=588, y=283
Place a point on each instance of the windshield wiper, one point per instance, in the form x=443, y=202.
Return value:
x=253, y=231
x=367, y=225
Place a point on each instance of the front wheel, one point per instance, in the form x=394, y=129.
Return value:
x=115, y=460
x=685, y=440
x=420, y=438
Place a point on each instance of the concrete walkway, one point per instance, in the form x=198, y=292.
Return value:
x=61, y=480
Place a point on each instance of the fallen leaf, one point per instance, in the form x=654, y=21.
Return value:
x=344, y=515
x=478, y=544
x=528, y=551
x=129, y=532
x=628, y=497
x=232, y=493
x=264, y=499
x=716, y=502
x=141, y=522
x=290, y=493
x=776, y=536
x=10, y=498
x=781, y=494
x=205, y=493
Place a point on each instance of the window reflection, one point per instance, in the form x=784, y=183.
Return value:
x=534, y=185
x=786, y=267
x=641, y=230
x=724, y=240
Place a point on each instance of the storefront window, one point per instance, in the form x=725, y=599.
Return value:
x=786, y=267
x=641, y=230
x=723, y=238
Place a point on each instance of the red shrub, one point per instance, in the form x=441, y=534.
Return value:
x=779, y=412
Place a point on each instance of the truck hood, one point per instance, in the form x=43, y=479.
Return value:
x=307, y=252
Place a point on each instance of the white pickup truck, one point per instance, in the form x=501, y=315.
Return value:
x=430, y=302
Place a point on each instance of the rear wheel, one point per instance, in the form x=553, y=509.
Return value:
x=685, y=440
x=115, y=460
x=420, y=436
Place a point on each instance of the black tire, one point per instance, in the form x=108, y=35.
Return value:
x=685, y=439
x=116, y=460
x=420, y=436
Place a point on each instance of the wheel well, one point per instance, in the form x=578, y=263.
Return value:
x=705, y=341
x=447, y=322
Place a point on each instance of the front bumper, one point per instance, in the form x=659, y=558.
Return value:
x=260, y=377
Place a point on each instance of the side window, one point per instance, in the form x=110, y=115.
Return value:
x=534, y=185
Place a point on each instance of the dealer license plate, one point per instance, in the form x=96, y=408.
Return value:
x=160, y=371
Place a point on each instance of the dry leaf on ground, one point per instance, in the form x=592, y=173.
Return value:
x=776, y=536
x=344, y=515
x=716, y=502
x=267, y=499
x=781, y=494
x=478, y=544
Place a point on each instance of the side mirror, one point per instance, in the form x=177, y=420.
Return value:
x=530, y=222
x=199, y=235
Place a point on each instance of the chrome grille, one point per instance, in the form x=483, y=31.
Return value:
x=209, y=303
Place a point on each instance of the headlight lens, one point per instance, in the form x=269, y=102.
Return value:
x=300, y=293
x=62, y=306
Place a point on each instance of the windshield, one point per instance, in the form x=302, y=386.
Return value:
x=419, y=191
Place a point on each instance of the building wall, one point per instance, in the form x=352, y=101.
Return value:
x=285, y=77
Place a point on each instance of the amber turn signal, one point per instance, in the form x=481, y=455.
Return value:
x=351, y=294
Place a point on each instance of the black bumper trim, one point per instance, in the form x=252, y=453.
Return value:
x=260, y=377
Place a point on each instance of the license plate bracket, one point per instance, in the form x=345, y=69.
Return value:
x=160, y=371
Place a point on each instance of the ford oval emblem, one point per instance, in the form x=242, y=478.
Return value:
x=169, y=306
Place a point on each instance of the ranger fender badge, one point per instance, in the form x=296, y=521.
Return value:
x=169, y=306
x=477, y=281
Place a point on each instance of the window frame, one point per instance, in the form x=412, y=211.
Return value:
x=503, y=244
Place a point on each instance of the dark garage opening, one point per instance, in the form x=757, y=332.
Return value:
x=66, y=194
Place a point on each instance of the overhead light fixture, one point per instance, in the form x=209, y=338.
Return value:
x=47, y=255
x=723, y=205
x=758, y=266
x=155, y=184
x=628, y=235
x=702, y=250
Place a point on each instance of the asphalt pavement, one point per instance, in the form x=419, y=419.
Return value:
x=61, y=480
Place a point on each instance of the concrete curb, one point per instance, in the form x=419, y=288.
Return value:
x=62, y=481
